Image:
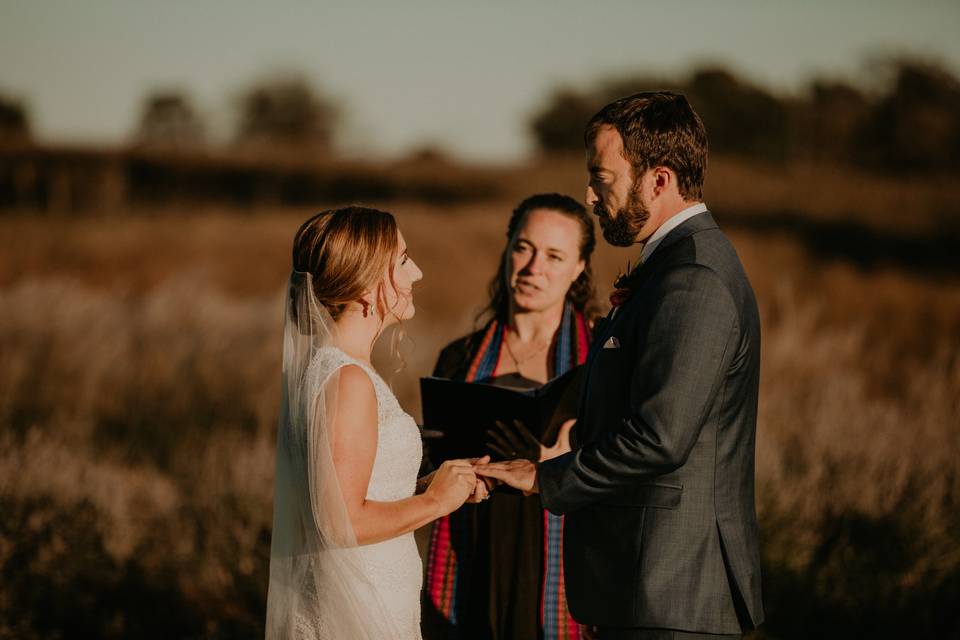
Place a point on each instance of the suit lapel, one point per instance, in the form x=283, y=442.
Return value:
x=606, y=325
x=699, y=222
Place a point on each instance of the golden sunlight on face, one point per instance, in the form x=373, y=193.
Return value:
x=543, y=260
x=611, y=176
x=399, y=296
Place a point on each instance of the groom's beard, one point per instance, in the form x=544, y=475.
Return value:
x=622, y=230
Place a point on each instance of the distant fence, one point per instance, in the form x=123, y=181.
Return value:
x=65, y=179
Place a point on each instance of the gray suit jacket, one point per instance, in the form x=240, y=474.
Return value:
x=661, y=528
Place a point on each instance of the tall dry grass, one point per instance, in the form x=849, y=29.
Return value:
x=137, y=460
x=138, y=399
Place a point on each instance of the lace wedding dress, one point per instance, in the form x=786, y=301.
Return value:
x=323, y=584
x=392, y=568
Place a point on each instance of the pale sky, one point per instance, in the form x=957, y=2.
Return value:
x=464, y=75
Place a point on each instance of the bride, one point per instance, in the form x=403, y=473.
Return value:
x=343, y=560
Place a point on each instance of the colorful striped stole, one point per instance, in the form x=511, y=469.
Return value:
x=448, y=567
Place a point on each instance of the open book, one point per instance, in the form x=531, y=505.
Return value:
x=457, y=414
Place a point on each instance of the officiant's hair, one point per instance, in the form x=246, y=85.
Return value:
x=346, y=251
x=658, y=128
x=582, y=293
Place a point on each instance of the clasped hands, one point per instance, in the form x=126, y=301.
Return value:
x=522, y=452
x=470, y=480
x=455, y=482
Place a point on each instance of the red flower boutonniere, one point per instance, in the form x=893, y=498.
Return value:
x=621, y=287
x=619, y=296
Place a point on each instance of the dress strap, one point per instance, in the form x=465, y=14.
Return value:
x=336, y=359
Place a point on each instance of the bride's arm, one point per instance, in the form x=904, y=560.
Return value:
x=354, y=444
x=423, y=482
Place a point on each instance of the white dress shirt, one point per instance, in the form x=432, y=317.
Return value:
x=651, y=245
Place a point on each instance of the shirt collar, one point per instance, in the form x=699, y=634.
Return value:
x=651, y=245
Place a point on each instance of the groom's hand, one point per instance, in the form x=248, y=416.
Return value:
x=520, y=474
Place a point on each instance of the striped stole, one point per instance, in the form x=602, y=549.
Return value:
x=447, y=570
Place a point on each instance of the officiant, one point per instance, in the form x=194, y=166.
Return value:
x=494, y=570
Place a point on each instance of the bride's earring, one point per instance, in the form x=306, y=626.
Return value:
x=366, y=307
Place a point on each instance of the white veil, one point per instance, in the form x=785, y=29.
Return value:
x=318, y=587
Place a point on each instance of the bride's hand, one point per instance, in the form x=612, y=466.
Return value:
x=484, y=486
x=480, y=492
x=452, y=484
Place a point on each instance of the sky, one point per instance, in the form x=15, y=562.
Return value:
x=463, y=76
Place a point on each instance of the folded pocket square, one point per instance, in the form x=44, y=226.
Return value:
x=611, y=343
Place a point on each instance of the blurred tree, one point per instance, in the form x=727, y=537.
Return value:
x=559, y=126
x=169, y=120
x=286, y=111
x=14, y=121
x=428, y=153
x=828, y=123
x=741, y=119
x=913, y=125
x=916, y=126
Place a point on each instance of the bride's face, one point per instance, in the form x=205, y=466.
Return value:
x=398, y=294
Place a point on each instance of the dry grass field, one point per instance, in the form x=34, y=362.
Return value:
x=139, y=390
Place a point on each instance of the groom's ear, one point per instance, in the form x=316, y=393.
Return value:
x=663, y=179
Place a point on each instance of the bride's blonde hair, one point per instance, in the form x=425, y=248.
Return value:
x=347, y=251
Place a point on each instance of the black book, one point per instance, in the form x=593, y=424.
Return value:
x=457, y=414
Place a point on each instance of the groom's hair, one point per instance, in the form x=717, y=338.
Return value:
x=659, y=128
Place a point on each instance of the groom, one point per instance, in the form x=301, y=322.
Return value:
x=660, y=535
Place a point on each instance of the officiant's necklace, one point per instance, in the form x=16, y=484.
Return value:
x=517, y=361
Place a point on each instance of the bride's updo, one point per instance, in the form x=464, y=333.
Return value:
x=346, y=251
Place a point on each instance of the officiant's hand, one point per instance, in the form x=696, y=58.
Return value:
x=562, y=445
x=513, y=440
x=519, y=474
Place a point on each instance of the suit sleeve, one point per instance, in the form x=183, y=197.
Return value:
x=682, y=357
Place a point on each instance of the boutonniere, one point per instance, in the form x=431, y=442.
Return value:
x=621, y=287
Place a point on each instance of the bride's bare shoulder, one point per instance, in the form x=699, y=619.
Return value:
x=355, y=382
x=356, y=414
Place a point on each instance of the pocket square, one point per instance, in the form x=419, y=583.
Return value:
x=611, y=343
